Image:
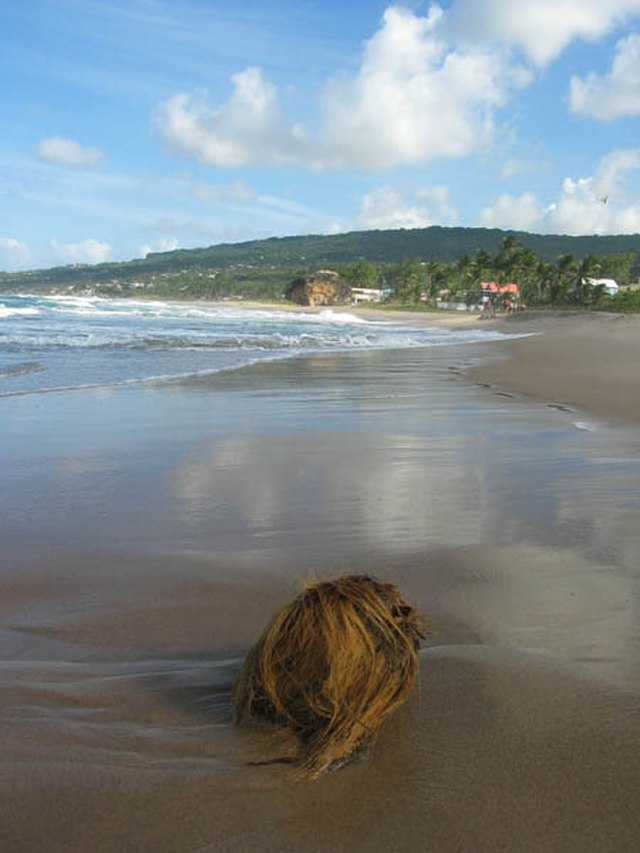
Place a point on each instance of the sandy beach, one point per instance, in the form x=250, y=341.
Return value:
x=149, y=532
x=583, y=361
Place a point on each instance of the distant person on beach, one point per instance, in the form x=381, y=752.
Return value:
x=488, y=312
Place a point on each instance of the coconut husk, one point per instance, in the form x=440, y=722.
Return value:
x=331, y=666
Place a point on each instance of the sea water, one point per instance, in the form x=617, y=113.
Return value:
x=52, y=342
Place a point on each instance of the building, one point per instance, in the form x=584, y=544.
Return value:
x=610, y=285
x=505, y=295
x=365, y=294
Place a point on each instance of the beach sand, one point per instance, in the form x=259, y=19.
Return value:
x=149, y=532
x=583, y=361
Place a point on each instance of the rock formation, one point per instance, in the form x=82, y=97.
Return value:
x=324, y=287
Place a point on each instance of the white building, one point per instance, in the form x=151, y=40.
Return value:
x=365, y=294
x=610, y=285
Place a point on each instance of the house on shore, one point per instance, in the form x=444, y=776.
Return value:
x=610, y=286
x=505, y=295
x=369, y=294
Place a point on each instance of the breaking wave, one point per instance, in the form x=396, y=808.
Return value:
x=81, y=341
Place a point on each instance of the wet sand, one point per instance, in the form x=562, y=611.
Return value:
x=580, y=360
x=586, y=361
x=149, y=532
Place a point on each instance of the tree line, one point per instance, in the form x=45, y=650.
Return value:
x=542, y=283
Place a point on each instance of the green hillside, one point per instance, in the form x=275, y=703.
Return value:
x=263, y=268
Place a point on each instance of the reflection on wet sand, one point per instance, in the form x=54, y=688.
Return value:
x=149, y=534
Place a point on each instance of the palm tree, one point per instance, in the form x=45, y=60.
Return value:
x=545, y=279
x=432, y=273
x=567, y=271
x=588, y=268
x=465, y=273
x=408, y=279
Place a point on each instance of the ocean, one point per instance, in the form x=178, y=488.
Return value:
x=54, y=343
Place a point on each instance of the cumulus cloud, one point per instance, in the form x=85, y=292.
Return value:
x=427, y=87
x=249, y=128
x=520, y=213
x=67, y=152
x=612, y=172
x=438, y=196
x=386, y=207
x=594, y=205
x=333, y=227
x=542, y=29
x=14, y=253
x=89, y=251
x=166, y=245
x=415, y=97
x=615, y=94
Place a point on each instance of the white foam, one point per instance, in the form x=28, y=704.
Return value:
x=7, y=311
x=340, y=317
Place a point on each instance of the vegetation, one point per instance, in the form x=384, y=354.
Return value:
x=412, y=266
x=542, y=283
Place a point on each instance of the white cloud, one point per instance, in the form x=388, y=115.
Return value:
x=87, y=252
x=249, y=128
x=413, y=98
x=616, y=94
x=333, y=227
x=166, y=245
x=67, y=152
x=14, y=253
x=594, y=205
x=438, y=195
x=611, y=176
x=580, y=210
x=541, y=28
x=520, y=213
x=386, y=207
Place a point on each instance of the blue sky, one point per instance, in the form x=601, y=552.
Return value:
x=146, y=125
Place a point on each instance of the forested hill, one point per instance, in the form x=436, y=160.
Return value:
x=316, y=251
x=387, y=247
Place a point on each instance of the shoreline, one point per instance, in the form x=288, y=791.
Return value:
x=433, y=319
x=579, y=361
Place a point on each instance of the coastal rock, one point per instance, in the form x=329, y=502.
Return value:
x=324, y=287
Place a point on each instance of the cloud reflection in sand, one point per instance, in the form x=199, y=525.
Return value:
x=541, y=545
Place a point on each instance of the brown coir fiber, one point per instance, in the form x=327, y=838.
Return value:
x=331, y=666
